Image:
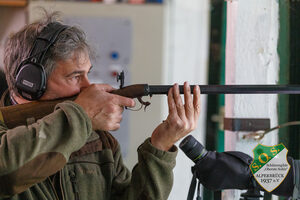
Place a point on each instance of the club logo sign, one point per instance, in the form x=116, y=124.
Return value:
x=270, y=165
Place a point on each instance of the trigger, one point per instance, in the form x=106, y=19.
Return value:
x=146, y=104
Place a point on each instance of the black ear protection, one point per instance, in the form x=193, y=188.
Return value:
x=30, y=75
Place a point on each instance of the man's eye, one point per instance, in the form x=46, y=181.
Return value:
x=76, y=77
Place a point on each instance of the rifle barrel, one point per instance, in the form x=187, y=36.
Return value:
x=232, y=89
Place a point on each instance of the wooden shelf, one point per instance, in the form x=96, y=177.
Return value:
x=18, y=3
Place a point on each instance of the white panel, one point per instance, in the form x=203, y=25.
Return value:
x=251, y=58
x=187, y=48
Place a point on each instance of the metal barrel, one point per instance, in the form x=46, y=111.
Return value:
x=232, y=89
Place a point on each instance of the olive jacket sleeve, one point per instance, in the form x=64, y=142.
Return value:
x=151, y=178
x=29, y=154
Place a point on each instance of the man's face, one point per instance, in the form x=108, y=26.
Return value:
x=69, y=77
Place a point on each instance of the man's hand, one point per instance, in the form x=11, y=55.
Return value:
x=103, y=108
x=182, y=118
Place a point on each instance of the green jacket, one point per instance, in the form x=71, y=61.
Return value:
x=60, y=157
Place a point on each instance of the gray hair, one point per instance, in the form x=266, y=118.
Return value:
x=17, y=47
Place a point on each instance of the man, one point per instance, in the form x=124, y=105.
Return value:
x=69, y=154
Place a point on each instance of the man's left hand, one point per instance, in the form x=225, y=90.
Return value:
x=182, y=118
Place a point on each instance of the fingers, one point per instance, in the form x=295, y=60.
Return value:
x=116, y=99
x=188, y=113
x=171, y=103
x=109, y=118
x=103, y=108
x=188, y=102
x=104, y=87
x=182, y=119
x=114, y=117
x=196, y=101
x=123, y=101
x=178, y=102
x=191, y=107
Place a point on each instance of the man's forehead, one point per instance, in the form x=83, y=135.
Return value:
x=80, y=63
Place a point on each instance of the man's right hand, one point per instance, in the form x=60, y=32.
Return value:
x=103, y=108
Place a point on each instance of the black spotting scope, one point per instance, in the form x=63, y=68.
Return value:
x=192, y=148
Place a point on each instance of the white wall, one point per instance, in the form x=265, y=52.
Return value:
x=251, y=58
x=187, y=46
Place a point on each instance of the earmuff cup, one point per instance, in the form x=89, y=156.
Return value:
x=31, y=81
x=30, y=76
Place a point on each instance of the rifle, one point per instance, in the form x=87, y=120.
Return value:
x=17, y=115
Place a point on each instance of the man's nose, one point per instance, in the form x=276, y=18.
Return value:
x=85, y=83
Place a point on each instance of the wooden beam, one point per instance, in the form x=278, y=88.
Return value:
x=19, y=3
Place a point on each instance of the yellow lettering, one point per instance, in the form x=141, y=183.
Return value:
x=273, y=151
x=266, y=158
x=255, y=166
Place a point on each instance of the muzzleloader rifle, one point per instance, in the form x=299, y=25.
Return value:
x=17, y=115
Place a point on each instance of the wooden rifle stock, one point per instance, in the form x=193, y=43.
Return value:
x=17, y=115
x=21, y=114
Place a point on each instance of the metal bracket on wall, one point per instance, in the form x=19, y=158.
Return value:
x=246, y=124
